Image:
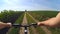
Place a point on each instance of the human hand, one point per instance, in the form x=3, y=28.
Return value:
x=52, y=22
x=3, y=25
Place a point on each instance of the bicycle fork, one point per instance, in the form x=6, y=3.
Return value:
x=25, y=30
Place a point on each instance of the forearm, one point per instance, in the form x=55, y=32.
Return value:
x=52, y=22
x=58, y=16
x=3, y=25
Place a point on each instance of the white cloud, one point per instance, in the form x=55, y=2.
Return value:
x=19, y=5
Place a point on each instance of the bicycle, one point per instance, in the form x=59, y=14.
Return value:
x=25, y=26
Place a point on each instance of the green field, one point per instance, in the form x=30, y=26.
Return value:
x=44, y=15
x=16, y=30
x=30, y=20
x=16, y=17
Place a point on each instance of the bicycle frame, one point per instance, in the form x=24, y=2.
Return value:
x=25, y=26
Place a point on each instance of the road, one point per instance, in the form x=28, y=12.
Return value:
x=24, y=22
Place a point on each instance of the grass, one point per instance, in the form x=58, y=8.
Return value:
x=16, y=30
x=44, y=15
x=39, y=15
x=30, y=20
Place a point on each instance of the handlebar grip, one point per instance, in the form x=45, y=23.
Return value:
x=34, y=23
x=16, y=25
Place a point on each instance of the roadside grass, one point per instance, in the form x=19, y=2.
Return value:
x=18, y=21
x=44, y=15
x=30, y=20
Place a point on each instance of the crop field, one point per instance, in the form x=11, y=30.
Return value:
x=30, y=20
x=16, y=17
x=13, y=17
x=44, y=15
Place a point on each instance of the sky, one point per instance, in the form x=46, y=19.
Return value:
x=29, y=5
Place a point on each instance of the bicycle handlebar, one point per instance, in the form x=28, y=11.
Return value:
x=19, y=25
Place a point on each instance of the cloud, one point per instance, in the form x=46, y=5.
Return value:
x=27, y=4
